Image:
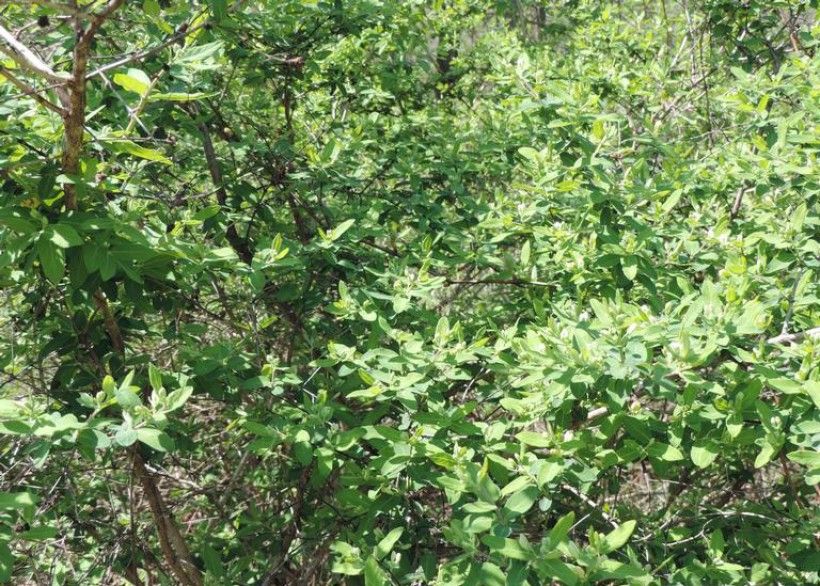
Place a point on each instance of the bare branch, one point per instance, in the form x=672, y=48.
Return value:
x=796, y=337
x=739, y=200
x=30, y=91
x=26, y=58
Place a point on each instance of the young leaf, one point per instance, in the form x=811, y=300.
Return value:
x=126, y=397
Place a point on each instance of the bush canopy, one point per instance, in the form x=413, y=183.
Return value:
x=373, y=292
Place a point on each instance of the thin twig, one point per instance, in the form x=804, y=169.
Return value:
x=146, y=53
x=27, y=59
x=31, y=92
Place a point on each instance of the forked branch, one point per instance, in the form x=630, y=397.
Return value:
x=27, y=59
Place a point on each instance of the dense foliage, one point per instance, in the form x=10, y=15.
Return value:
x=414, y=292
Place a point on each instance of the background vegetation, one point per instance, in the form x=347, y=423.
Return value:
x=418, y=292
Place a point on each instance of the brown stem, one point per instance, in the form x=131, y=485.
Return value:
x=110, y=322
x=75, y=100
x=173, y=545
x=174, y=548
x=738, y=201
x=239, y=244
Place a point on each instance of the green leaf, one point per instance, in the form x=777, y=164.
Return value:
x=134, y=80
x=373, y=574
x=385, y=546
x=52, y=260
x=39, y=533
x=767, y=452
x=805, y=457
x=151, y=7
x=534, y=439
x=16, y=500
x=506, y=547
x=672, y=201
x=6, y=562
x=125, y=437
x=619, y=536
x=337, y=232
x=529, y=153
x=155, y=438
x=492, y=575
x=219, y=9
x=525, y=254
x=479, y=507
x=521, y=502
x=127, y=398
x=213, y=562
x=8, y=408
x=559, y=531
x=63, y=235
x=560, y=570
x=179, y=96
x=664, y=452
x=812, y=387
x=629, y=266
x=154, y=377
x=516, y=485
x=13, y=220
x=196, y=55
x=131, y=148
x=703, y=456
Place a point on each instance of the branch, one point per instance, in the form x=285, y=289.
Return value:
x=738, y=201
x=26, y=58
x=136, y=112
x=111, y=325
x=140, y=55
x=174, y=548
x=184, y=30
x=98, y=21
x=793, y=338
x=514, y=282
x=239, y=244
x=30, y=91
x=171, y=541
